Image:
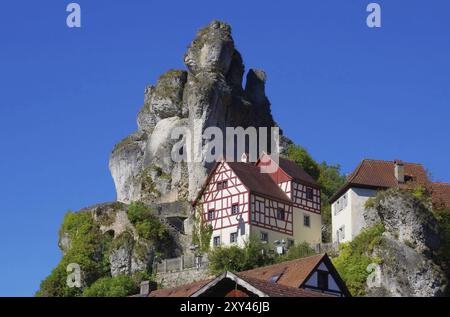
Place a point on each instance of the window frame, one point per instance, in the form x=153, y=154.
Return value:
x=305, y=216
x=217, y=238
x=213, y=213
x=263, y=234
x=309, y=193
x=281, y=211
x=232, y=207
x=235, y=235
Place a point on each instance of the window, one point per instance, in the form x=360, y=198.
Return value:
x=344, y=201
x=233, y=237
x=211, y=215
x=216, y=241
x=322, y=280
x=222, y=185
x=290, y=243
x=309, y=193
x=235, y=209
x=281, y=214
x=306, y=220
x=341, y=233
x=275, y=278
x=264, y=237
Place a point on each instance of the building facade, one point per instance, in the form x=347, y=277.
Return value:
x=279, y=208
x=369, y=177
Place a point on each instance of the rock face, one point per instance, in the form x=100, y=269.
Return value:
x=129, y=253
x=407, y=247
x=208, y=94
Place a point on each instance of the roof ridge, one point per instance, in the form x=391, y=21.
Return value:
x=387, y=161
x=321, y=255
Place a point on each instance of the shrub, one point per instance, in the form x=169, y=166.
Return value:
x=146, y=223
x=89, y=248
x=119, y=286
x=355, y=257
x=298, y=251
x=236, y=259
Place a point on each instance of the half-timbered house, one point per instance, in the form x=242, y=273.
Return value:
x=240, y=200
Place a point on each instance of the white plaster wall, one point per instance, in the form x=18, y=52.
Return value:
x=359, y=198
x=351, y=216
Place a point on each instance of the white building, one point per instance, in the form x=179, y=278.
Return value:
x=240, y=201
x=369, y=177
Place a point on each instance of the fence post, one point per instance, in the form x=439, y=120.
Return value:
x=182, y=263
x=165, y=265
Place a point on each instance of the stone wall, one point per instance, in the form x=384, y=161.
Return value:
x=174, y=279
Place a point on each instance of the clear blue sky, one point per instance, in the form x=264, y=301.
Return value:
x=340, y=89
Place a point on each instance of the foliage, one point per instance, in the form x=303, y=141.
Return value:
x=297, y=251
x=146, y=223
x=355, y=257
x=236, y=259
x=202, y=232
x=89, y=249
x=301, y=156
x=443, y=256
x=119, y=286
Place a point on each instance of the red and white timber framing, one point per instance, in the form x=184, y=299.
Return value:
x=295, y=190
x=220, y=201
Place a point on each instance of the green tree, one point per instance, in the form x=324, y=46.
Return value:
x=301, y=156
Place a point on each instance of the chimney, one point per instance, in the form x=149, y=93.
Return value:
x=147, y=287
x=399, y=171
x=245, y=158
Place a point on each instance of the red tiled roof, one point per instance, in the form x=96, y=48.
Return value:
x=279, y=290
x=180, y=291
x=441, y=194
x=256, y=181
x=296, y=172
x=268, y=288
x=381, y=174
x=293, y=273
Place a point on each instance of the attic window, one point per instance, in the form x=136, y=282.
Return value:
x=222, y=185
x=409, y=178
x=275, y=278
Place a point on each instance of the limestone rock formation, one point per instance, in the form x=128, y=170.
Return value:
x=408, y=247
x=208, y=94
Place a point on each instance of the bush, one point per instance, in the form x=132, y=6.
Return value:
x=119, y=286
x=298, y=251
x=146, y=223
x=89, y=248
x=356, y=256
x=236, y=259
